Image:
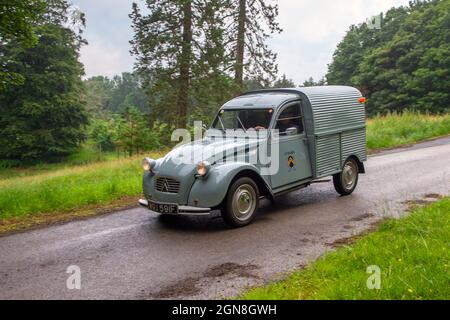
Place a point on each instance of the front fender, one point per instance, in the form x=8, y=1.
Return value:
x=210, y=192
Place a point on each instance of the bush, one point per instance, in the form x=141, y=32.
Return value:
x=103, y=134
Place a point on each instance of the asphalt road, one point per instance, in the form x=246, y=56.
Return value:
x=138, y=254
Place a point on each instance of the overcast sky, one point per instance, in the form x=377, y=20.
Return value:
x=311, y=31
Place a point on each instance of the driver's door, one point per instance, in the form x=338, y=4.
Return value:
x=294, y=160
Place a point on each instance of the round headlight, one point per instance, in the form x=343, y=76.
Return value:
x=203, y=168
x=148, y=164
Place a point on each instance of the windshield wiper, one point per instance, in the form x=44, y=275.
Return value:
x=239, y=119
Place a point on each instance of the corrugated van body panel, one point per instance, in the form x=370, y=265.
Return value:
x=339, y=127
x=336, y=111
x=354, y=143
x=328, y=155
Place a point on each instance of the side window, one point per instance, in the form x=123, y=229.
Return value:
x=290, y=121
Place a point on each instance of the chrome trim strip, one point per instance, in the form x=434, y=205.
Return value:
x=184, y=210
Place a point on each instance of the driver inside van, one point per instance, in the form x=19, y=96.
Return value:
x=261, y=119
x=289, y=119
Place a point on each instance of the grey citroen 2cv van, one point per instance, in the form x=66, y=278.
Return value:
x=318, y=132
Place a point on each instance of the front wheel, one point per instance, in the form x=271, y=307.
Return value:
x=345, y=182
x=241, y=203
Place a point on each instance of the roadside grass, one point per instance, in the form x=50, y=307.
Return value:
x=84, y=156
x=412, y=254
x=397, y=129
x=71, y=188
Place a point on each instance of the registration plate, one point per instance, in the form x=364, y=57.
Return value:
x=163, y=207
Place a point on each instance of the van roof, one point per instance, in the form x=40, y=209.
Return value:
x=267, y=99
x=273, y=98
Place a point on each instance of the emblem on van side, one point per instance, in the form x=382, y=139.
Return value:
x=291, y=162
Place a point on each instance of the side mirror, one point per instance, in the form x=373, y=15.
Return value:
x=291, y=131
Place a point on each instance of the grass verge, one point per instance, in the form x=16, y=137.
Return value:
x=412, y=254
x=35, y=198
x=395, y=130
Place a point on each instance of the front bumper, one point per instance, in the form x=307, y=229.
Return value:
x=184, y=210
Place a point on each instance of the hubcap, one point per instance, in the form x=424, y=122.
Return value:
x=244, y=202
x=349, y=174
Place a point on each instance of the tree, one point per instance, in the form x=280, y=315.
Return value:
x=284, y=82
x=44, y=117
x=211, y=83
x=358, y=41
x=133, y=134
x=98, y=94
x=188, y=52
x=404, y=65
x=127, y=91
x=103, y=133
x=311, y=83
x=17, y=21
x=105, y=96
x=163, y=46
x=250, y=25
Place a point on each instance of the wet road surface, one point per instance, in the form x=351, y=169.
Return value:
x=137, y=254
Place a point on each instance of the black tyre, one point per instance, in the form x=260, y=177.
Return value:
x=345, y=182
x=241, y=203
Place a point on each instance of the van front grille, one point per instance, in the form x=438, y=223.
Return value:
x=168, y=185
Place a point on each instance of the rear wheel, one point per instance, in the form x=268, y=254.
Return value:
x=345, y=182
x=241, y=203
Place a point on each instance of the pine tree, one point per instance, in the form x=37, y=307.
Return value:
x=163, y=46
x=251, y=25
x=283, y=82
x=133, y=135
x=193, y=54
x=311, y=82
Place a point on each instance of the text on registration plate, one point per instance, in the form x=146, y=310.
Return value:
x=163, y=207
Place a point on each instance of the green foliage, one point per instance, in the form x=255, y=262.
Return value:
x=405, y=64
x=311, y=83
x=412, y=254
x=44, y=117
x=128, y=132
x=103, y=134
x=98, y=91
x=283, y=82
x=258, y=83
x=17, y=18
x=105, y=96
x=127, y=91
x=133, y=133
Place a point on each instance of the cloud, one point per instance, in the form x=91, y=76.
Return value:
x=108, y=31
x=102, y=57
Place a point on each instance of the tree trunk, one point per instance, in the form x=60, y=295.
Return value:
x=185, y=65
x=240, y=46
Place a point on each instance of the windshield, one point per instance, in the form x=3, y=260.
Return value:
x=258, y=119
